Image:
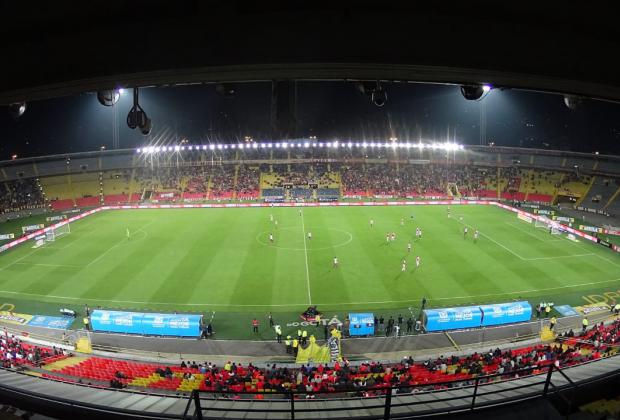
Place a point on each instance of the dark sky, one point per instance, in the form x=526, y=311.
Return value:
x=326, y=109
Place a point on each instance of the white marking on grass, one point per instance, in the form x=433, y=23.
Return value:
x=303, y=232
x=19, y=259
x=608, y=260
x=125, y=239
x=229, y=305
x=521, y=257
x=530, y=233
x=51, y=265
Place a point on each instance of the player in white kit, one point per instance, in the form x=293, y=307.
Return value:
x=417, y=261
x=402, y=221
x=271, y=237
x=404, y=266
x=309, y=235
x=409, y=247
x=335, y=262
x=372, y=223
x=476, y=233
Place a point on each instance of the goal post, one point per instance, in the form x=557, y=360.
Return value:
x=552, y=226
x=56, y=232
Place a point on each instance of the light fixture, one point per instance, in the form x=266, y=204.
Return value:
x=108, y=97
x=17, y=109
x=137, y=117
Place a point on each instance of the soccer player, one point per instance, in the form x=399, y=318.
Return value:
x=448, y=211
x=127, y=231
x=271, y=237
x=465, y=232
x=420, y=233
x=309, y=235
x=275, y=222
x=417, y=261
x=372, y=223
x=387, y=237
x=393, y=236
x=300, y=212
x=271, y=218
x=404, y=266
x=402, y=221
x=409, y=247
x=417, y=232
x=476, y=233
x=335, y=262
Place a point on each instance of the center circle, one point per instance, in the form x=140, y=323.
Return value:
x=290, y=238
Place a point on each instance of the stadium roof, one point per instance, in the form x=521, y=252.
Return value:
x=53, y=50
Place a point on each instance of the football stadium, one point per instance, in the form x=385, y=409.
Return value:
x=306, y=241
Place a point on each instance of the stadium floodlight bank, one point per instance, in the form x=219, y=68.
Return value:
x=57, y=231
x=447, y=146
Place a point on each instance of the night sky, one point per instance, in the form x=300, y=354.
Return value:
x=328, y=110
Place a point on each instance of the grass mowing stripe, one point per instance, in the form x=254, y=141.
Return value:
x=303, y=232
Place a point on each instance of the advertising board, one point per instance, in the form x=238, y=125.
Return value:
x=177, y=325
x=505, y=313
x=361, y=324
x=452, y=318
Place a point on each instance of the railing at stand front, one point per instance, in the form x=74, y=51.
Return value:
x=382, y=402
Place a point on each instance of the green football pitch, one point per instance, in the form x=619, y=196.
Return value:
x=221, y=261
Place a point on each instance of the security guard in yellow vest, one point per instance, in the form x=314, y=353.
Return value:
x=552, y=323
x=287, y=342
x=295, y=346
x=86, y=323
x=304, y=337
x=317, y=319
x=584, y=324
x=299, y=334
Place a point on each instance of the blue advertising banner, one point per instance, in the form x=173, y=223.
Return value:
x=505, y=313
x=51, y=321
x=452, y=318
x=178, y=325
x=361, y=324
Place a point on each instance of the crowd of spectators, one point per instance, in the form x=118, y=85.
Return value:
x=411, y=180
x=21, y=194
x=15, y=353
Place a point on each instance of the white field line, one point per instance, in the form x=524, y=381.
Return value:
x=530, y=233
x=521, y=257
x=303, y=232
x=51, y=265
x=19, y=259
x=415, y=299
x=116, y=245
x=608, y=260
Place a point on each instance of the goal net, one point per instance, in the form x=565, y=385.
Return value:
x=548, y=224
x=52, y=234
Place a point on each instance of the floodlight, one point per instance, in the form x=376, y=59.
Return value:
x=108, y=97
x=486, y=88
x=16, y=110
x=572, y=102
x=212, y=147
x=474, y=92
x=138, y=150
x=177, y=148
